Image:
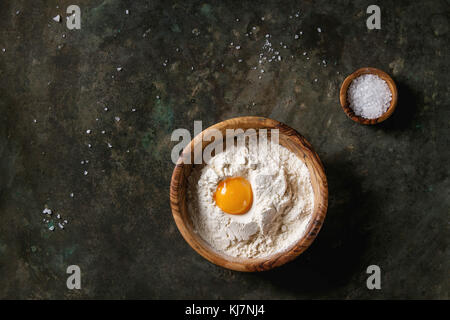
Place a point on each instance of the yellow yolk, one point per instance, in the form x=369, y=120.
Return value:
x=234, y=195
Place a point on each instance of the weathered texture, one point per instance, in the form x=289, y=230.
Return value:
x=388, y=184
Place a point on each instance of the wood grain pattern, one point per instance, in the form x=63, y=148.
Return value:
x=345, y=104
x=288, y=138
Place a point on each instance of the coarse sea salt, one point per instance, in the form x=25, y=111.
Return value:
x=369, y=96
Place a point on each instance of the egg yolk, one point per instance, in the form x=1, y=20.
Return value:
x=234, y=195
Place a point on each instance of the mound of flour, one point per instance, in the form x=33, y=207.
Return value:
x=283, y=201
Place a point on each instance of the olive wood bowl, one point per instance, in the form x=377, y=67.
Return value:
x=346, y=106
x=288, y=138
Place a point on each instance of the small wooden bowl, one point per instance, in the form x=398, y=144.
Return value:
x=346, y=106
x=288, y=138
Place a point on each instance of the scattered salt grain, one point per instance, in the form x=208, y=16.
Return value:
x=57, y=18
x=127, y=12
x=58, y=216
x=117, y=119
x=369, y=96
x=119, y=69
x=319, y=30
x=88, y=131
x=47, y=211
x=85, y=173
x=109, y=145
x=3, y=49
x=51, y=228
x=71, y=195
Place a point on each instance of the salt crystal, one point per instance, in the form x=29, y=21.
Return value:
x=57, y=18
x=88, y=131
x=3, y=49
x=369, y=96
x=47, y=211
x=119, y=69
x=127, y=12
x=238, y=47
x=117, y=119
x=60, y=225
x=296, y=36
x=71, y=195
x=319, y=30
x=109, y=145
x=85, y=173
x=58, y=216
x=51, y=228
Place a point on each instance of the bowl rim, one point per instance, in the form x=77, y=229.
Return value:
x=252, y=264
x=346, y=106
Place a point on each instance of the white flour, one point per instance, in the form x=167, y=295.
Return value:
x=283, y=201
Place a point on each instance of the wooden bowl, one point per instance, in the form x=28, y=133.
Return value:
x=345, y=104
x=288, y=138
